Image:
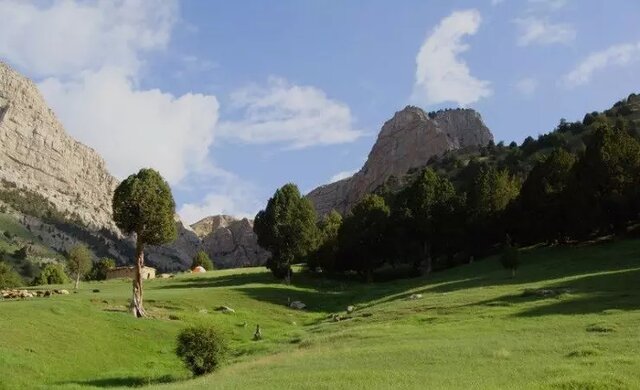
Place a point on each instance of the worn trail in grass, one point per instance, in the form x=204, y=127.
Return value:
x=472, y=328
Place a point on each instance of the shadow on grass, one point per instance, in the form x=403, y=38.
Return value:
x=588, y=294
x=125, y=381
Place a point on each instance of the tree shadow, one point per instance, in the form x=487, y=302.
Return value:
x=588, y=294
x=130, y=381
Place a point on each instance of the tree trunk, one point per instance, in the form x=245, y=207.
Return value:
x=427, y=257
x=77, y=281
x=513, y=272
x=136, y=303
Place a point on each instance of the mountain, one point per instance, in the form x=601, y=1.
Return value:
x=408, y=140
x=230, y=242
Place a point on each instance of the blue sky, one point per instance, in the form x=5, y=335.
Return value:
x=230, y=100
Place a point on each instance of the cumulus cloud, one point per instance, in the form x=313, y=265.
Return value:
x=289, y=114
x=526, y=86
x=618, y=55
x=534, y=30
x=134, y=128
x=441, y=75
x=67, y=37
x=342, y=175
x=88, y=56
x=231, y=196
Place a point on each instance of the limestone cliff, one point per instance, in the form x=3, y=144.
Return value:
x=230, y=242
x=406, y=141
x=37, y=154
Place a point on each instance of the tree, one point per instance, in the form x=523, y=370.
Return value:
x=79, y=262
x=286, y=228
x=143, y=205
x=202, y=259
x=324, y=256
x=604, y=190
x=541, y=214
x=362, y=237
x=9, y=278
x=51, y=274
x=101, y=267
x=427, y=204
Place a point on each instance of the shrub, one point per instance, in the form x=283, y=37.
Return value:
x=51, y=274
x=202, y=259
x=201, y=349
x=9, y=278
x=101, y=267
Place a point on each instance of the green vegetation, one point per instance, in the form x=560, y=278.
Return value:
x=143, y=204
x=202, y=259
x=101, y=267
x=79, y=263
x=9, y=278
x=52, y=273
x=201, y=349
x=287, y=229
x=568, y=321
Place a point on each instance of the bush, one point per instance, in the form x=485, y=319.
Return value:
x=100, y=268
x=9, y=278
x=51, y=274
x=201, y=349
x=202, y=259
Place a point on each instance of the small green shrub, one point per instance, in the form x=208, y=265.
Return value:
x=9, y=278
x=202, y=349
x=51, y=274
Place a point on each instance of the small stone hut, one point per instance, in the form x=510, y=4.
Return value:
x=130, y=272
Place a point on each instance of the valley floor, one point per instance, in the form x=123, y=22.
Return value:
x=473, y=328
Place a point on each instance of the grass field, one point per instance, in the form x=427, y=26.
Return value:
x=472, y=329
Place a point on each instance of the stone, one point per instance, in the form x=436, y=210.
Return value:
x=350, y=309
x=62, y=292
x=406, y=141
x=297, y=305
x=225, y=309
x=413, y=297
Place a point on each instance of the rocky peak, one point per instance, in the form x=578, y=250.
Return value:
x=407, y=140
x=208, y=225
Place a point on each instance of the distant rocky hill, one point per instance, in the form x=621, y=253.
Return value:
x=406, y=141
x=230, y=242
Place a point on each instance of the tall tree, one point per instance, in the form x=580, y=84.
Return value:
x=603, y=191
x=427, y=204
x=362, y=237
x=541, y=214
x=143, y=204
x=79, y=262
x=286, y=228
x=324, y=256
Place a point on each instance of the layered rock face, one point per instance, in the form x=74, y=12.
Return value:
x=230, y=242
x=408, y=140
x=37, y=154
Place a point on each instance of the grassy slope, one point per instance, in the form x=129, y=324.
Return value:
x=470, y=330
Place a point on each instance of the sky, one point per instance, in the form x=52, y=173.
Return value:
x=230, y=100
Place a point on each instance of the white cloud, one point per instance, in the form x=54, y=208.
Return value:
x=617, y=55
x=550, y=4
x=539, y=31
x=67, y=37
x=134, y=128
x=297, y=116
x=232, y=196
x=342, y=175
x=441, y=76
x=526, y=86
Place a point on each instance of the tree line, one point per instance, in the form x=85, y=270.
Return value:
x=578, y=182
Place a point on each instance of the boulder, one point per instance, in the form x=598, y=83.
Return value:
x=225, y=309
x=297, y=305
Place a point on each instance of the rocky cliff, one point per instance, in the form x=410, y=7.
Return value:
x=406, y=141
x=36, y=154
x=230, y=242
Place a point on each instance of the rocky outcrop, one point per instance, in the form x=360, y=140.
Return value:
x=230, y=242
x=406, y=141
x=38, y=155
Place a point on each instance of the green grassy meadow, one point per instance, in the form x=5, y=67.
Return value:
x=472, y=329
